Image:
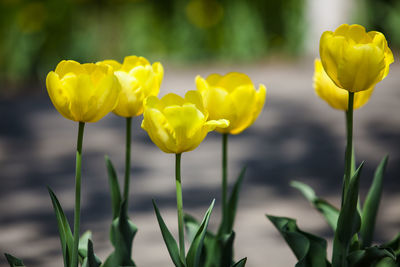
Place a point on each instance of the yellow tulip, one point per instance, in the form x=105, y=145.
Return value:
x=177, y=124
x=138, y=80
x=82, y=92
x=232, y=97
x=354, y=59
x=336, y=97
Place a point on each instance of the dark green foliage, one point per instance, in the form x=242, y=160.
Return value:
x=122, y=230
x=65, y=234
x=330, y=213
x=371, y=204
x=218, y=248
x=13, y=261
x=193, y=257
x=310, y=250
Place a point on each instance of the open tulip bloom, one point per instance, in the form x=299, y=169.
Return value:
x=353, y=62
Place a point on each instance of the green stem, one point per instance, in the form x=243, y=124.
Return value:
x=224, y=176
x=349, y=147
x=77, y=194
x=127, y=159
x=179, y=203
x=339, y=256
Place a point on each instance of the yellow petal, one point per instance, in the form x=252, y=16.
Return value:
x=113, y=63
x=219, y=105
x=196, y=98
x=211, y=125
x=172, y=99
x=336, y=97
x=363, y=67
x=131, y=62
x=69, y=66
x=201, y=84
x=244, y=99
x=213, y=79
x=160, y=132
x=260, y=100
x=159, y=73
x=58, y=95
x=233, y=80
x=186, y=120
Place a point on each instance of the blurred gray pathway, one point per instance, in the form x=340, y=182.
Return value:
x=297, y=136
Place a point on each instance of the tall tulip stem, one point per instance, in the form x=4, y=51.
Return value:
x=349, y=147
x=224, y=174
x=77, y=194
x=127, y=159
x=179, y=203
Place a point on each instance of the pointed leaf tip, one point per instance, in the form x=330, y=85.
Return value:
x=13, y=261
x=169, y=240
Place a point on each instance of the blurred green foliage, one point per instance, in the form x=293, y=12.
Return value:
x=381, y=15
x=37, y=34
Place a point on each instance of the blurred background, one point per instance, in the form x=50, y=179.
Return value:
x=37, y=34
x=298, y=136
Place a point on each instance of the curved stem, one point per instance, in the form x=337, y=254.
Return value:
x=77, y=194
x=127, y=159
x=224, y=175
x=179, y=203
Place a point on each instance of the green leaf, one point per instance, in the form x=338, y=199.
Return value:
x=210, y=256
x=226, y=247
x=123, y=230
x=394, y=244
x=240, y=263
x=371, y=205
x=194, y=253
x=191, y=226
x=369, y=256
x=91, y=260
x=310, y=250
x=13, y=261
x=66, y=237
x=114, y=186
x=387, y=262
x=168, y=239
x=349, y=222
x=227, y=223
x=83, y=245
x=330, y=212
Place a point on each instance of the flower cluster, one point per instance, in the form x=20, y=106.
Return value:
x=87, y=92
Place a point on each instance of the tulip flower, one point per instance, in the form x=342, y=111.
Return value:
x=178, y=125
x=354, y=59
x=336, y=97
x=138, y=79
x=82, y=93
x=232, y=97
